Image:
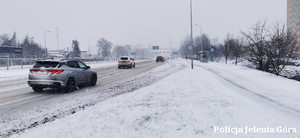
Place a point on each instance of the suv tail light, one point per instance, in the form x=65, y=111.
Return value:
x=53, y=71
x=128, y=60
x=119, y=60
x=56, y=71
x=33, y=70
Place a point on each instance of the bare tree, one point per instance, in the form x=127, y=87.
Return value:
x=280, y=48
x=256, y=41
x=229, y=41
x=236, y=48
x=270, y=50
x=184, y=48
x=119, y=50
x=104, y=48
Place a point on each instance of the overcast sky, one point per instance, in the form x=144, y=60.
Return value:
x=140, y=23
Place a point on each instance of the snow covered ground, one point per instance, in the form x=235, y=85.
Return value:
x=213, y=100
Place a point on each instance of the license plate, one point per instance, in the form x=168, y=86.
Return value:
x=41, y=73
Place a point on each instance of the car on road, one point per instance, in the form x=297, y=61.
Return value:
x=126, y=61
x=160, y=58
x=63, y=75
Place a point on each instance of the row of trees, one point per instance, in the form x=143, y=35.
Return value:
x=201, y=43
x=268, y=47
x=107, y=50
x=30, y=48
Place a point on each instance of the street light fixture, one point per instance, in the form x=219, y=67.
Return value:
x=45, y=38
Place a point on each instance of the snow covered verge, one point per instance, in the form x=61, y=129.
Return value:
x=278, y=90
x=291, y=70
x=62, y=105
x=189, y=103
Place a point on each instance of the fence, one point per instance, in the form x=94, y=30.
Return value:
x=20, y=63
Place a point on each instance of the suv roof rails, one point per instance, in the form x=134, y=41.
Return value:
x=45, y=59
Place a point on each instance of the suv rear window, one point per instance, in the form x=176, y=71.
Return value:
x=73, y=64
x=124, y=58
x=46, y=64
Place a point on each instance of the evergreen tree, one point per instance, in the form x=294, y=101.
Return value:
x=76, y=49
x=13, y=40
x=31, y=49
x=4, y=40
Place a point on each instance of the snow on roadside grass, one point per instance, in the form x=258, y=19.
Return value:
x=186, y=104
x=282, y=90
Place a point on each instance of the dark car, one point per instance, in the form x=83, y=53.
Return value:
x=160, y=58
x=65, y=75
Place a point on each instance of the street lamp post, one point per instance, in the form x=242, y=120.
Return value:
x=171, y=49
x=45, y=38
x=89, y=48
x=192, y=45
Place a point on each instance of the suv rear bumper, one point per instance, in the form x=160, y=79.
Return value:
x=46, y=83
x=125, y=64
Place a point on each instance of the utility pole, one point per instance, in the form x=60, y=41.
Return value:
x=171, y=49
x=192, y=45
x=57, y=38
x=89, y=52
x=45, y=38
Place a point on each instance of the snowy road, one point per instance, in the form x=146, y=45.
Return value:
x=22, y=108
x=17, y=99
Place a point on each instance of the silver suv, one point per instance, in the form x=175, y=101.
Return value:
x=126, y=61
x=64, y=75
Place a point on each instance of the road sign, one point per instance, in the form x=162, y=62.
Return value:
x=155, y=48
x=133, y=53
x=175, y=53
x=212, y=50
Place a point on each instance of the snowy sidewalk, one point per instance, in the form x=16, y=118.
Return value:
x=189, y=103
